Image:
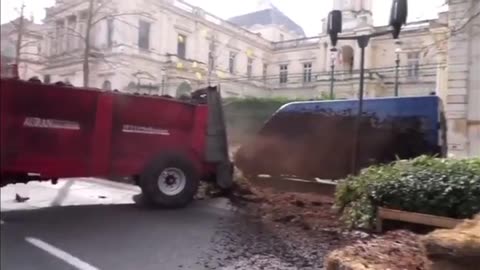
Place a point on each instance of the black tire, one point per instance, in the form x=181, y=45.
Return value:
x=177, y=164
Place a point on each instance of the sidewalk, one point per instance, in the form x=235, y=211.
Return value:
x=78, y=191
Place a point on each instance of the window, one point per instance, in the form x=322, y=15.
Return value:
x=182, y=46
x=81, y=30
x=249, y=67
x=109, y=32
x=46, y=78
x=307, y=72
x=231, y=62
x=131, y=86
x=283, y=73
x=83, y=15
x=144, y=35
x=211, y=56
x=59, y=36
x=72, y=26
x=413, y=63
x=9, y=50
x=211, y=61
x=264, y=72
x=107, y=85
x=282, y=37
x=50, y=45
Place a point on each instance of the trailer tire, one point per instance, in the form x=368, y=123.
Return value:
x=170, y=181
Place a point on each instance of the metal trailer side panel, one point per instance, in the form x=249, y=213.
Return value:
x=144, y=127
x=60, y=132
x=47, y=130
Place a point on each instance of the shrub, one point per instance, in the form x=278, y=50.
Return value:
x=444, y=187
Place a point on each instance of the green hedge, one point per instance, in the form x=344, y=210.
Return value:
x=444, y=187
x=244, y=117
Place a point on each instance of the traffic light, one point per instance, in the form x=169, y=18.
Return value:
x=334, y=25
x=398, y=16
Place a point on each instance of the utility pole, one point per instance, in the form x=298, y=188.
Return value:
x=397, y=69
x=332, y=68
x=20, y=29
x=211, y=59
x=362, y=43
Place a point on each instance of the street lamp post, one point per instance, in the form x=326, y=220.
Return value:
x=397, y=69
x=333, y=58
x=163, y=73
x=398, y=18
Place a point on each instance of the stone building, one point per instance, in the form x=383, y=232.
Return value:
x=158, y=46
x=463, y=94
x=31, y=56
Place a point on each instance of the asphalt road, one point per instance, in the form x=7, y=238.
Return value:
x=90, y=224
x=94, y=225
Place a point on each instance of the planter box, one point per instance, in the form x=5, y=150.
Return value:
x=416, y=218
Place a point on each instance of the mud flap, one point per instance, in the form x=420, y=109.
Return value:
x=217, y=143
x=225, y=175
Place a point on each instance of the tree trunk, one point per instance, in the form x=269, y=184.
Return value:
x=86, y=66
x=86, y=54
x=18, y=49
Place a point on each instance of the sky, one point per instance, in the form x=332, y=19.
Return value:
x=307, y=13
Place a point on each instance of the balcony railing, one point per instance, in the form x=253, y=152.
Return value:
x=196, y=11
x=296, y=43
x=383, y=76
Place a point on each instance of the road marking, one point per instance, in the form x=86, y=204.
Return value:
x=2, y=222
x=74, y=261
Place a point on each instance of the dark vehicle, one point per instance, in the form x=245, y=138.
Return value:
x=315, y=139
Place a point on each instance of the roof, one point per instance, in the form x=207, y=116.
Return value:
x=266, y=17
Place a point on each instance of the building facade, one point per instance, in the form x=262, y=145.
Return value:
x=463, y=94
x=158, y=46
x=31, y=61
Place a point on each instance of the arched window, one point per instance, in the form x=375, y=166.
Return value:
x=347, y=58
x=107, y=85
x=131, y=86
x=184, y=89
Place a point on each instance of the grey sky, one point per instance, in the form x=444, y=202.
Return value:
x=307, y=13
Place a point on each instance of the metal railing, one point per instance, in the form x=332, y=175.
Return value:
x=196, y=11
x=296, y=43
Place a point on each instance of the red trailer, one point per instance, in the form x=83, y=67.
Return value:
x=56, y=131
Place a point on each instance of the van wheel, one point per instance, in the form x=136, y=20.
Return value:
x=170, y=181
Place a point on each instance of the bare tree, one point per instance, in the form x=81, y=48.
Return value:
x=97, y=11
x=87, y=49
x=23, y=38
x=20, y=30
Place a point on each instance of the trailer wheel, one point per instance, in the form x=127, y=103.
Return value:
x=170, y=181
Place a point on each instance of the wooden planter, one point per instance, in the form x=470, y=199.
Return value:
x=416, y=218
